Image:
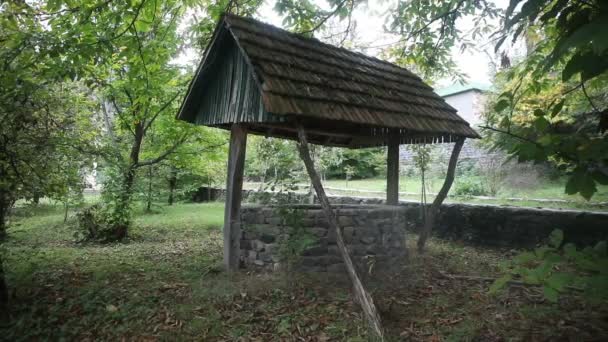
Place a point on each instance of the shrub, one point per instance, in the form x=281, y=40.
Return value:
x=469, y=187
x=295, y=237
x=93, y=225
x=560, y=268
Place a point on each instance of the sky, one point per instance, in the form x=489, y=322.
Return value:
x=369, y=19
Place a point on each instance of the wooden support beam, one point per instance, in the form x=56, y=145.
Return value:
x=392, y=168
x=431, y=212
x=363, y=297
x=234, y=191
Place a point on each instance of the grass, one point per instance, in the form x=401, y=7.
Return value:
x=165, y=283
x=544, y=190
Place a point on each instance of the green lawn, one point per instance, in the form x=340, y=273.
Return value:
x=165, y=283
x=545, y=190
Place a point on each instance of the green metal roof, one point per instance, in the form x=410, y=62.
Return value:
x=458, y=88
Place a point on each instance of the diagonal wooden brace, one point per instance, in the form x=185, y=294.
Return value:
x=363, y=297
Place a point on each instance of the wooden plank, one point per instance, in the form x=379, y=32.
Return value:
x=432, y=211
x=234, y=189
x=363, y=297
x=392, y=168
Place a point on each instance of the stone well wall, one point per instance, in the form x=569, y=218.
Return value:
x=373, y=234
x=490, y=225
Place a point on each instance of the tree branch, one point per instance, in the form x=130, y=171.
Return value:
x=350, y=20
x=519, y=137
x=588, y=98
x=331, y=14
x=160, y=111
x=162, y=156
x=137, y=11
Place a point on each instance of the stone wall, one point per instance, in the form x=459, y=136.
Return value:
x=503, y=226
x=493, y=225
x=373, y=234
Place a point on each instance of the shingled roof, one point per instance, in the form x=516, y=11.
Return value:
x=343, y=97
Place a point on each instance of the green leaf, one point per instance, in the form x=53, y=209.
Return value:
x=557, y=108
x=142, y=26
x=501, y=105
x=601, y=248
x=587, y=187
x=556, y=238
x=600, y=177
x=559, y=281
x=572, y=185
x=584, y=34
x=524, y=258
x=528, y=151
x=570, y=250
x=530, y=276
x=541, y=123
x=581, y=182
x=551, y=294
x=574, y=65
x=499, y=284
x=539, y=112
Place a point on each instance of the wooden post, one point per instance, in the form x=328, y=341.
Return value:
x=363, y=297
x=392, y=168
x=234, y=191
x=432, y=211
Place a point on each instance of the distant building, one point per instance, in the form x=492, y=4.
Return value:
x=469, y=100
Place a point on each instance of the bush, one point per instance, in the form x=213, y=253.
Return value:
x=469, y=187
x=92, y=225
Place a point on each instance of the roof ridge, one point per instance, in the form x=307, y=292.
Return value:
x=331, y=46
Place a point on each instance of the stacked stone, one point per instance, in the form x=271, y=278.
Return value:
x=482, y=224
x=373, y=234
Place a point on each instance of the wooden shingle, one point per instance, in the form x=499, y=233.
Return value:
x=270, y=78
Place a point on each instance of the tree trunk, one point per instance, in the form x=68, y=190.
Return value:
x=361, y=293
x=4, y=208
x=149, y=197
x=3, y=295
x=66, y=209
x=172, y=184
x=4, y=205
x=432, y=211
x=36, y=198
x=121, y=228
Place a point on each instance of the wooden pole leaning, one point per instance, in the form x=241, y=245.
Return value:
x=431, y=212
x=363, y=297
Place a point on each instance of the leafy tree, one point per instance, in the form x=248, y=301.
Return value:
x=46, y=130
x=551, y=105
x=326, y=158
x=272, y=161
x=429, y=32
x=364, y=163
x=206, y=14
x=306, y=17
x=199, y=160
